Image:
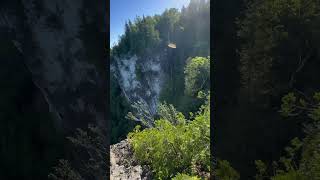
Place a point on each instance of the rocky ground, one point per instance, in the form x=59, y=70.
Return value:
x=124, y=166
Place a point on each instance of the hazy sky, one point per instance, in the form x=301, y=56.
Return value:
x=123, y=10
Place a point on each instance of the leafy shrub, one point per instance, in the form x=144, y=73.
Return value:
x=175, y=144
x=185, y=177
x=224, y=171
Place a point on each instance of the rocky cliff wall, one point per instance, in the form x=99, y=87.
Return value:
x=63, y=46
x=140, y=78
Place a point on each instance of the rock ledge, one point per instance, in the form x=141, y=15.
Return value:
x=123, y=164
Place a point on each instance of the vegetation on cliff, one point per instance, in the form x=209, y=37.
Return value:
x=175, y=144
x=147, y=36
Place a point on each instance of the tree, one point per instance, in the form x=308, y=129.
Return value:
x=278, y=45
x=197, y=75
x=302, y=159
x=167, y=23
x=91, y=146
x=278, y=53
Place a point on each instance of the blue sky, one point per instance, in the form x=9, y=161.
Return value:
x=123, y=10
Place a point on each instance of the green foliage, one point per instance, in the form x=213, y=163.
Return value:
x=168, y=112
x=141, y=113
x=291, y=175
x=262, y=170
x=293, y=106
x=277, y=43
x=184, y=27
x=174, y=144
x=302, y=159
x=93, y=142
x=196, y=78
x=197, y=75
x=64, y=171
x=279, y=52
x=185, y=177
x=90, y=146
x=140, y=36
x=167, y=24
x=224, y=171
x=291, y=151
x=315, y=114
x=316, y=97
x=192, y=39
x=310, y=156
x=287, y=106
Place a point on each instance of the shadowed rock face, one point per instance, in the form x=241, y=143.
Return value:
x=56, y=50
x=62, y=44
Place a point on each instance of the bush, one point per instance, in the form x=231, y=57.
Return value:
x=224, y=171
x=185, y=177
x=179, y=146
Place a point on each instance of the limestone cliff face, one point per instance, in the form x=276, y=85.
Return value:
x=140, y=78
x=63, y=46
